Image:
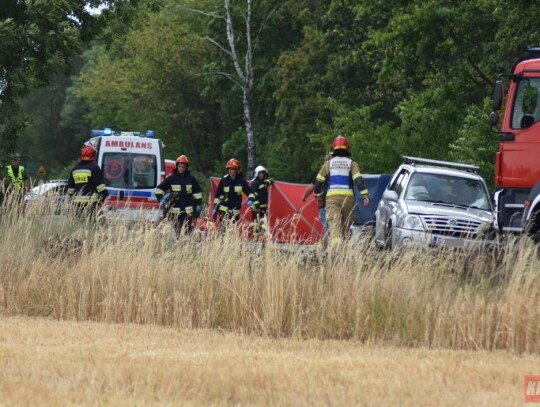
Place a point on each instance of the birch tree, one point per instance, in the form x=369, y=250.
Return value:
x=243, y=74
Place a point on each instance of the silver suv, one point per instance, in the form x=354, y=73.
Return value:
x=435, y=203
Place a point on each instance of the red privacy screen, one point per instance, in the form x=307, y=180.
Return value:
x=290, y=219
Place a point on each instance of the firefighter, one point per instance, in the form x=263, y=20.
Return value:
x=258, y=199
x=338, y=174
x=185, y=203
x=228, y=201
x=15, y=180
x=86, y=183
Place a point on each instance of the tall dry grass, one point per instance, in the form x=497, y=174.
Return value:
x=66, y=268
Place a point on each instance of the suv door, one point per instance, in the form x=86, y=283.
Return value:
x=388, y=208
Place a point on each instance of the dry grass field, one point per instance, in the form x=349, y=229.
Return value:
x=116, y=315
x=44, y=362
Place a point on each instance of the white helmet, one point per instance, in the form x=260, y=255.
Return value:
x=258, y=170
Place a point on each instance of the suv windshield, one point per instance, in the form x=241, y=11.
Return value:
x=130, y=171
x=447, y=189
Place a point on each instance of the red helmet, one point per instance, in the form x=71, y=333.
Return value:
x=234, y=164
x=182, y=160
x=88, y=153
x=341, y=143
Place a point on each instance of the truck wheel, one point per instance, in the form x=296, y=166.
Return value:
x=531, y=228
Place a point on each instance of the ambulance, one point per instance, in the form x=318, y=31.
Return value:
x=133, y=165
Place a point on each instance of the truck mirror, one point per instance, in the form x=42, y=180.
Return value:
x=494, y=118
x=498, y=95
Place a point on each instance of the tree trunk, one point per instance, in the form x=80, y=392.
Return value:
x=249, y=134
x=245, y=77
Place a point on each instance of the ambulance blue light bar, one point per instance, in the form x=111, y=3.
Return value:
x=105, y=132
x=150, y=134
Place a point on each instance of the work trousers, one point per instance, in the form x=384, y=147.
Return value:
x=182, y=223
x=258, y=218
x=340, y=216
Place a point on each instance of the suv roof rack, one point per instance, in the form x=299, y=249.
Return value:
x=464, y=167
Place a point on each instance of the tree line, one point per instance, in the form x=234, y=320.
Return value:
x=275, y=80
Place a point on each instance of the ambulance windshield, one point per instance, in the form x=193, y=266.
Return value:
x=130, y=171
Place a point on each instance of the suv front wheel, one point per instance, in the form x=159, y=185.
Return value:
x=389, y=237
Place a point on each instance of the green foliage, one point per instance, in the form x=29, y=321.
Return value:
x=396, y=77
x=56, y=127
x=152, y=78
x=475, y=143
x=37, y=39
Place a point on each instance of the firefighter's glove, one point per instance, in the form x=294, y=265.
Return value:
x=214, y=212
x=250, y=203
x=197, y=210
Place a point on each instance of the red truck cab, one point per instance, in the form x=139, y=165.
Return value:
x=517, y=163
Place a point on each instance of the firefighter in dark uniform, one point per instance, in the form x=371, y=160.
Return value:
x=228, y=201
x=86, y=183
x=185, y=203
x=258, y=199
x=338, y=175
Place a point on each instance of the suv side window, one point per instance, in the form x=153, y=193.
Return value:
x=399, y=181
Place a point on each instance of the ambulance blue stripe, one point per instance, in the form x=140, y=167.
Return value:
x=135, y=194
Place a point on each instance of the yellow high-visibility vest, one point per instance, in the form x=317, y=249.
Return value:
x=18, y=181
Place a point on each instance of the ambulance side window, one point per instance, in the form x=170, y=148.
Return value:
x=115, y=169
x=144, y=169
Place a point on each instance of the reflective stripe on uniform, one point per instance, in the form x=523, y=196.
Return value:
x=197, y=195
x=85, y=199
x=81, y=176
x=100, y=188
x=321, y=178
x=340, y=176
x=340, y=192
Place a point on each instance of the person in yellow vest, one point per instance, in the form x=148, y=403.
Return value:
x=338, y=175
x=15, y=182
x=15, y=177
